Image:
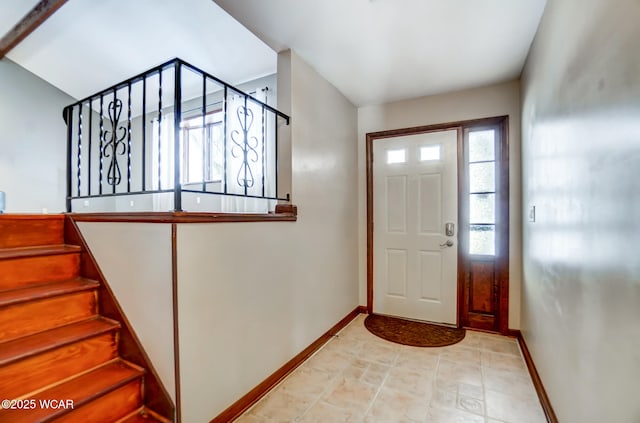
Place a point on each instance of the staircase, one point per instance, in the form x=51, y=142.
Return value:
x=53, y=343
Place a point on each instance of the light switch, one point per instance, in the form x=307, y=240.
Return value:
x=532, y=214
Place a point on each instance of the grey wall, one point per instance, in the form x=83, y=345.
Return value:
x=581, y=170
x=32, y=141
x=253, y=295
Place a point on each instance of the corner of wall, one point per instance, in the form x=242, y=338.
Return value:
x=284, y=76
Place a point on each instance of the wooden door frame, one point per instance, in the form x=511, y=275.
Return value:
x=458, y=126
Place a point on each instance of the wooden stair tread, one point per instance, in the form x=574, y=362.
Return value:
x=47, y=290
x=80, y=389
x=143, y=415
x=20, y=348
x=30, y=216
x=43, y=250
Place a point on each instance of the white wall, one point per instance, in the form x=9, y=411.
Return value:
x=581, y=164
x=32, y=141
x=136, y=260
x=495, y=100
x=253, y=295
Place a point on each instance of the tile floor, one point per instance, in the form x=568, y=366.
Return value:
x=358, y=377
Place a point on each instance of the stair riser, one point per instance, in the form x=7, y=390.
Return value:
x=34, y=373
x=108, y=408
x=35, y=316
x=21, y=272
x=144, y=415
x=16, y=232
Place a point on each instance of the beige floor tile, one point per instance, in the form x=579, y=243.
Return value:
x=443, y=399
x=346, y=344
x=322, y=412
x=503, y=361
x=451, y=372
x=383, y=353
x=442, y=415
x=329, y=361
x=356, y=331
x=498, y=345
x=280, y=406
x=249, y=418
x=472, y=391
x=351, y=395
x=423, y=359
x=360, y=378
x=385, y=419
x=461, y=354
x=471, y=339
x=470, y=404
x=307, y=380
x=366, y=371
x=396, y=406
x=413, y=382
x=514, y=383
x=514, y=409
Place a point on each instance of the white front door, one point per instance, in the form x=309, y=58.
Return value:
x=415, y=197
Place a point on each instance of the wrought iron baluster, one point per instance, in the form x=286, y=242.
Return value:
x=89, y=154
x=114, y=125
x=275, y=147
x=129, y=139
x=224, y=137
x=79, y=162
x=246, y=145
x=144, y=132
x=204, y=133
x=114, y=141
x=246, y=148
x=177, y=117
x=159, y=129
x=69, y=119
x=263, y=148
x=101, y=140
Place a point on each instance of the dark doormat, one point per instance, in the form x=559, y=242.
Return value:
x=412, y=333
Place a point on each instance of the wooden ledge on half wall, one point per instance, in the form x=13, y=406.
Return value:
x=282, y=213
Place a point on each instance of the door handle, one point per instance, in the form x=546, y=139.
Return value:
x=449, y=229
x=449, y=243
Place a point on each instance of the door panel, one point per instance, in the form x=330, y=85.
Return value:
x=482, y=278
x=397, y=273
x=431, y=214
x=430, y=270
x=415, y=195
x=397, y=204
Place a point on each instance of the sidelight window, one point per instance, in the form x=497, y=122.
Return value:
x=482, y=192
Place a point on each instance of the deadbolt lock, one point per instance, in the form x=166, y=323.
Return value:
x=449, y=229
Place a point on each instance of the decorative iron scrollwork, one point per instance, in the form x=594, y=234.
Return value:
x=245, y=148
x=114, y=144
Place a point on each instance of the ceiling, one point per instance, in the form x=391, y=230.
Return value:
x=376, y=51
x=87, y=46
x=12, y=12
x=373, y=51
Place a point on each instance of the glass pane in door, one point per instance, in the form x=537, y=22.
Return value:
x=482, y=239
